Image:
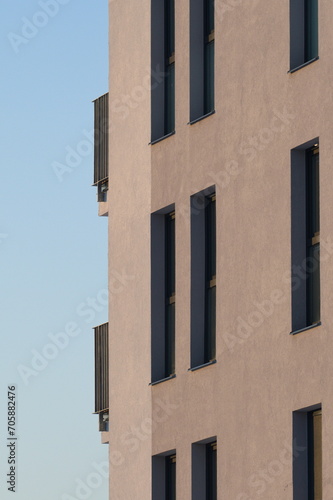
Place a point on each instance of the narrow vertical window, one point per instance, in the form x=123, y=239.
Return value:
x=316, y=455
x=163, y=296
x=313, y=236
x=169, y=114
x=310, y=29
x=307, y=453
x=163, y=62
x=204, y=470
x=170, y=478
x=164, y=476
x=303, y=32
x=203, y=279
x=305, y=223
x=211, y=472
x=209, y=41
x=202, y=58
x=170, y=295
x=210, y=254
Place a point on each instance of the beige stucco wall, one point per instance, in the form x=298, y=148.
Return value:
x=129, y=251
x=246, y=399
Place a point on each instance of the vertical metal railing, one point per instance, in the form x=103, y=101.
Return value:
x=102, y=374
x=101, y=145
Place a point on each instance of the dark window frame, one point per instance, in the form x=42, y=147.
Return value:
x=307, y=453
x=203, y=278
x=170, y=477
x=209, y=56
x=313, y=234
x=169, y=102
x=162, y=58
x=164, y=476
x=305, y=236
x=211, y=471
x=170, y=294
x=202, y=59
x=210, y=264
x=204, y=469
x=163, y=294
x=304, y=33
x=310, y=30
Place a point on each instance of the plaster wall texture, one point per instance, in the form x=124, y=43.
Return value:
x=262, y=372
x=129, y=250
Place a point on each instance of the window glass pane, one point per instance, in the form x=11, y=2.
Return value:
x=170, y=478
x=313, y=234
x=317, y=455
x=169, y=111
x=209, y=50
x=210, y=337
x=170, y=295
x=311, y=29
x=313, y=284
x=170, y=340
x=313, y=180
x=211, y=472
x=170, y=27
x=209, y=21
x=307, y=465
x=210, y=312
x=314, y=455
x=209, y=77
x=170, y=255
x=169, y=98
x=211, y=237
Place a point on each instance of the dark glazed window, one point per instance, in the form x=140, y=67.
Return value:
x=163, y=296
x=307, y=453
x=315, y=455
x=310, y=29
x=209, y=56
x=204, y=470
x=202, y=58
x=210, y=309
x=305, y=237
x=303, y=32
x=170, y=295
x=162, y=68
x=169, y=113
x=211, y=472
x=313, y=237
x=203, y=278
x=164, y=476
x=170, y=478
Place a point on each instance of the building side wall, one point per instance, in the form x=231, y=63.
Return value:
x=262, y=373
x=129, y=250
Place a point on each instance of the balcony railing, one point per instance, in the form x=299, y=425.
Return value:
x=101, y=146
x=102, y=375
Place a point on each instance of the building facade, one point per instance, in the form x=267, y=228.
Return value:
x=213, y=373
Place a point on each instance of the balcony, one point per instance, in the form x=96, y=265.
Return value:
x=102, y=375
x=101, y=147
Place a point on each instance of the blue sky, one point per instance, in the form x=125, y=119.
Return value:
x=53, y=247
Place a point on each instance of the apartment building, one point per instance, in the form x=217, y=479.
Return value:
x=213, y=372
